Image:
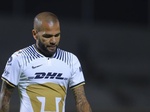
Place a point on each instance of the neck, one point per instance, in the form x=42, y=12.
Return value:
x=43, y=53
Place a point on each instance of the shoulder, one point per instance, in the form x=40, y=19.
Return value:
x=14, y=57
x=60, y=53
x=18, y=54
x=66, y=56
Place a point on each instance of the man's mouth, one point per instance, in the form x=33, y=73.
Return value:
x=51, y=48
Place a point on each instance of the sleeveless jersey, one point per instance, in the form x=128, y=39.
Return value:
x=43, y=81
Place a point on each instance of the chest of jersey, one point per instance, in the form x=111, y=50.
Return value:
x=45, y=70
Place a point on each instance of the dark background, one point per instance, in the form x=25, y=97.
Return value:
x=110, y=37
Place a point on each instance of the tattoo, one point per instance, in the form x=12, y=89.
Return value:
x=81, y=101
x=5, y=95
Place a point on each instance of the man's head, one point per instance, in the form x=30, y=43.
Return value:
x=46, y=32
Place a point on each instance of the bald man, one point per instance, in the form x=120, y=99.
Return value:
x=43, y=72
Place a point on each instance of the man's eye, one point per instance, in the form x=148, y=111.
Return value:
x=47, y=36
x=57, y=35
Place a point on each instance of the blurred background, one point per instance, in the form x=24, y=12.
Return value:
x=110, y=37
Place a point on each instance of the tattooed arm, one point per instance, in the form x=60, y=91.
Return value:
x=5, y=95
x=81, y=101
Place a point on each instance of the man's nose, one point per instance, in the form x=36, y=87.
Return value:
x=53, y=39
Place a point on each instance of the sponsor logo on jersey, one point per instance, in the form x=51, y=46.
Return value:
x=49, y=75
x=36, y=66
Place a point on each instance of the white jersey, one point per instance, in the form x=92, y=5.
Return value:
x=43, y=81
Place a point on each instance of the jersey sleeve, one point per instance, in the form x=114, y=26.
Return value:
x=12, y=71
x=77, y=77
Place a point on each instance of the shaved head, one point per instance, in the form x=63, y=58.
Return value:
x=46, y=32
x=44, y=17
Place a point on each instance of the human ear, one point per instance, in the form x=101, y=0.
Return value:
x=34, y=33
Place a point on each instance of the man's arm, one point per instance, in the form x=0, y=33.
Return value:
x=82, y=103
x=5, y=95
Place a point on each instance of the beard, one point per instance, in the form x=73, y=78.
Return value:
x=44, y=49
